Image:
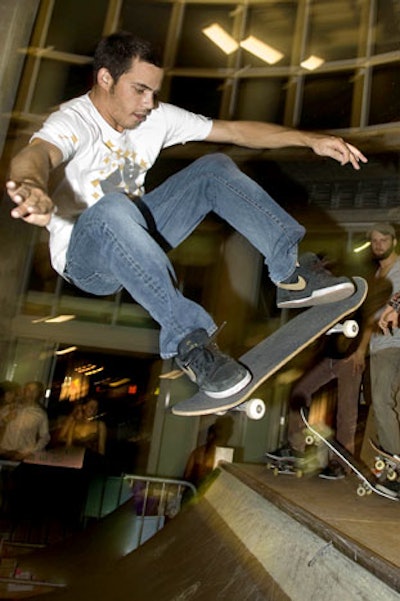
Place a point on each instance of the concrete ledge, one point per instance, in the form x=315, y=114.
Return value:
x=308, y=559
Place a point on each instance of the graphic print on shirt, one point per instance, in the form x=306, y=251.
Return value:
x=125, y=172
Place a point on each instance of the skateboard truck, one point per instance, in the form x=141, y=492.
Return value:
x=253, y=408
x=349, y=328
x=385, y=463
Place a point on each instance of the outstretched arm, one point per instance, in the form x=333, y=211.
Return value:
x=255, y=134
x=28, y=181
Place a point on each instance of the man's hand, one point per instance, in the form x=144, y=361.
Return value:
x=33, y=204
x=388, y=320
x=338, y=149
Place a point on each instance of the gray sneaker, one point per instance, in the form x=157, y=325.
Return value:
x=215, y=373
x=312, y=284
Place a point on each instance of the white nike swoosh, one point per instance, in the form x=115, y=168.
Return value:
x=299, y=285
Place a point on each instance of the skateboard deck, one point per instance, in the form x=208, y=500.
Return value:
x=367, y=484
x=386, y=463
x=271, y=354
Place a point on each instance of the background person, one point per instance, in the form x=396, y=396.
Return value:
x=27, y=430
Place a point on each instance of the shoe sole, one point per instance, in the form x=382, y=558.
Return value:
x=387, y=491
x=324, y=477
x=320, y=297
x=222, y=394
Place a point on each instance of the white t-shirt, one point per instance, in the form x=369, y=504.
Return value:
x=380, y=341
x=98, y=159
x=27, y=432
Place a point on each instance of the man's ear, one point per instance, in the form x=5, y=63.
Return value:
x=104, y=79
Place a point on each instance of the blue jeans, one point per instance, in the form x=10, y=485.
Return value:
x=111, y=246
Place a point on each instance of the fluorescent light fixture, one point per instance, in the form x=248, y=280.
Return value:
x=261, y=50
x=65, y=351
x=362, y=247
x=60, y=318
x=221, y=38
x=94, y=371
x=312, y=62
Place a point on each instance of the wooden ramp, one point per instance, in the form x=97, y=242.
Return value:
x=249, y=538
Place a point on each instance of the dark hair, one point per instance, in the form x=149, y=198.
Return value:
x=116, y=51
x=8, y=386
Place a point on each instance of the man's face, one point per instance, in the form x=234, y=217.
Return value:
x=382, y=245
x=127, y=103
x=30, y=393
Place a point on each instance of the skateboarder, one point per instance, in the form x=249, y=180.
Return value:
x=343, y=367
x=107, y=233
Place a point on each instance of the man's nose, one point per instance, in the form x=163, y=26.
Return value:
x=148, y=100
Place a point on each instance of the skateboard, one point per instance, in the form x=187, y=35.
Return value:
x=385, y=463
x=367, y=485
x=283, y=465
x=275, y=351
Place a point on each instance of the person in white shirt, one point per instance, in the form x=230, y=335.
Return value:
x=106, y=233
x=28, y=429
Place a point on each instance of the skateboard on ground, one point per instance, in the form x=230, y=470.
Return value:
x=367, y=484
x=275, y=351
x=308, y=464
x=283, y=465
x=385, y=463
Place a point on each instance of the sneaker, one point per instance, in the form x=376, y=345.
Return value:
x=312, y=284
x=215, y=373
x=390, y=487
x=283, y=453
x=333, y=471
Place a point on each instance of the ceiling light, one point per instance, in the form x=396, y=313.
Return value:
x=221, y=38
x=312, y=62
x=362, y=247
x=60, y=318
x=261, y=50
x=65, y=351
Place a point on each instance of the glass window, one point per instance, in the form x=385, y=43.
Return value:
x=273, y=24
x=333, y=32
x=149, y=20
x=327, y=101
x=385, y=94
x=58, y=82
x=200, y=95
x=195, y=49
x=76, y=27
x=261, y=100
x=387, y=36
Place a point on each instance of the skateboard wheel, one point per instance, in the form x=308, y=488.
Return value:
x=350, y=328
x=255, y=409
x=299, y=473
x=391, y=474
x=310, y=439
x=379, y=465
x=276, y=471
x=361, y=491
